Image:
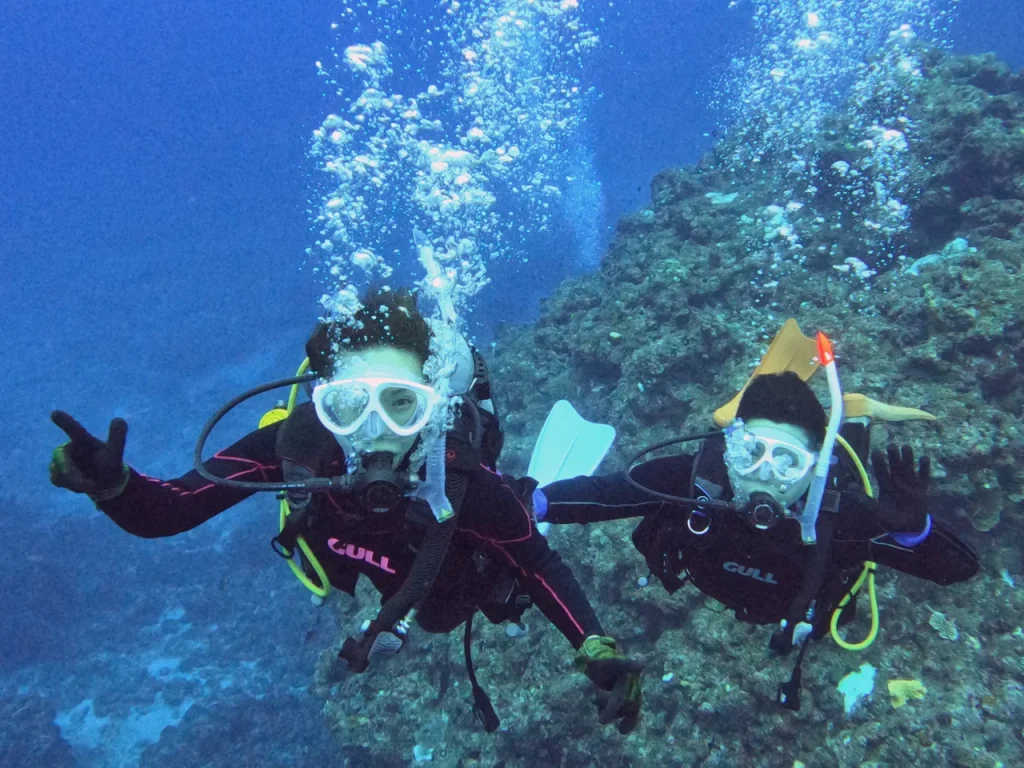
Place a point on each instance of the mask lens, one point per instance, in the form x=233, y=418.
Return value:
x=343, y=405
x=404, y=406
x=757, y=451
x=788, y=463
x=765, y=458
x=348, y=406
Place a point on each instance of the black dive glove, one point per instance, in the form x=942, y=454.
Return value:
x=86, y=464
x=902, y=490
x=617, y=676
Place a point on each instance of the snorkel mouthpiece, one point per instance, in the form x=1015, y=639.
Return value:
x=809, y=516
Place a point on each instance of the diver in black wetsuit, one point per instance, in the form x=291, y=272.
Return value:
x=370, y=492
x=725, y=518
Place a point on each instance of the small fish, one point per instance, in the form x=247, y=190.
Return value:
x=445, y=681
x=313, y=633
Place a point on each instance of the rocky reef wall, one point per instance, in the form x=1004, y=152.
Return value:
x=695, y=286
x=904, y=242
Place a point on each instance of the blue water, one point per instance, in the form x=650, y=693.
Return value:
x=154, y=191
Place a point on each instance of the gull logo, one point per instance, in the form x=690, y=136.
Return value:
x=360, y=553
x=750, y=573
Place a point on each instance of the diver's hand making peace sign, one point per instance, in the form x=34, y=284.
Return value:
x=86, y=464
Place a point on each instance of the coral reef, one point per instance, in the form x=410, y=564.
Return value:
x=204, y=668
x=690, y=293
x=905, y=245
x=692, y=289
x=276, y=729
x=37, y=741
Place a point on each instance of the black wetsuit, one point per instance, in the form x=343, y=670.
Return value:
x=497, y=561
x=757, y=573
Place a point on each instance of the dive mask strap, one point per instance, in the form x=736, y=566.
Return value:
x=788, y=693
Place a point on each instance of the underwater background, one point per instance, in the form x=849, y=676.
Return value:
x=719, y=167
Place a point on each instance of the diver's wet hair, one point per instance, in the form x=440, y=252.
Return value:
x=785, y=398
x=387, y=319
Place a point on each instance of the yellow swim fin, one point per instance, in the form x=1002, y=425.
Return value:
x=790, y=350
x=855, y=406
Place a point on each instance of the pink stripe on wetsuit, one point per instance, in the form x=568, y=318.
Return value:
x=258, y=467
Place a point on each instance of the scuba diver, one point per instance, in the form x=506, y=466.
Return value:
x=765, y=519
x=388, y=472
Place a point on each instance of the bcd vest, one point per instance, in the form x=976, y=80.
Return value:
x=757, y=574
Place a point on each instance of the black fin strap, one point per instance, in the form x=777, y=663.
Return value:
x=788, y=695
x=482, y=707
x=357, y=652
x=295, y=524
x=298, y=520
x=666, y=558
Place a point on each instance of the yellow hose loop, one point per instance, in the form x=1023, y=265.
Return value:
x=859, y=464
x=293, y=393
x=868, y=572
x=324, y=587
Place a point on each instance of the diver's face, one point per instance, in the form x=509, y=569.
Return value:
x=382, y=362
x=782, y=465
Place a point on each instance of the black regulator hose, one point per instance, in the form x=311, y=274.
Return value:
x=427, y=563
x=312, y=484
x=723, y=506
x=417, y=585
